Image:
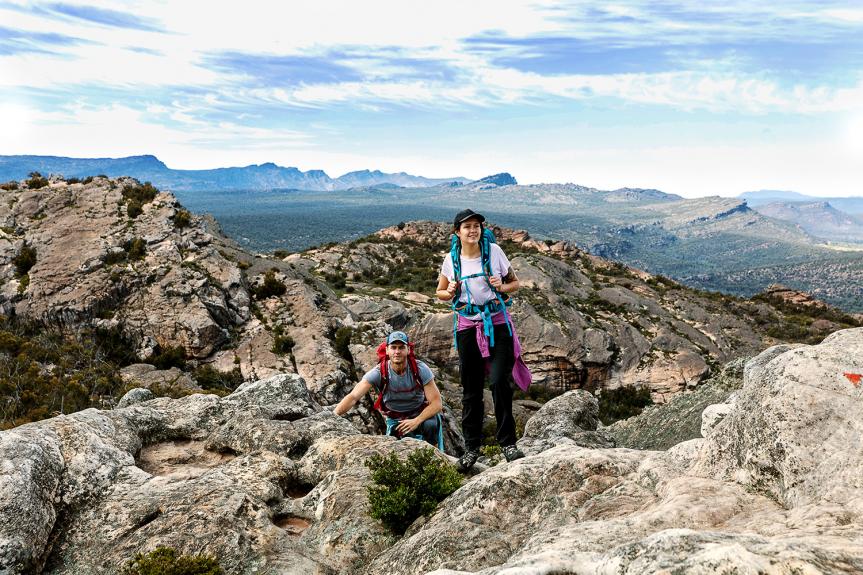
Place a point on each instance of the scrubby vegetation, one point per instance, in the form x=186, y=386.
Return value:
x=9, y=186
x=168, y=357
x=211, y=379
x=282, y=344
x=165, y=561
x=136, y=196
x=36, y=181
x=47, y=371
x=271, y=286
x=24, y=261
x=406, y=490
x=182, y=219
x=411, y=267
x=622, y=403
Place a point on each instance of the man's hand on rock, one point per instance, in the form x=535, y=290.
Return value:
x=406, y=426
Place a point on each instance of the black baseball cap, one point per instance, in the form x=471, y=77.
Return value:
x=465, y=215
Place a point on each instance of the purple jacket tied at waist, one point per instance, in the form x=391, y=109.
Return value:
x=520, y=372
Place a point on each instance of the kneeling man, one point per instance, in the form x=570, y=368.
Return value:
x=407, y=395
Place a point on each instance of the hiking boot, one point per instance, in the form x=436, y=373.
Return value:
x=511, y=452
x=467, y=460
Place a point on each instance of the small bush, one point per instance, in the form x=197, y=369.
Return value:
x=24, y=261
x=143, y=193
x=405, y=490
x=281, y=254
x=341, y=341
x=36, y=181
x=212, y=379
x=622, y=403
x=23, y=283
x=182, y=219
x=134, y=209
x=271, y=287
x=165, y=561
x=9, y=186
x=87, y=180
x=168, y=357
x=136, y=196
x=283, y=344
x=73, y=181
x=135, y=249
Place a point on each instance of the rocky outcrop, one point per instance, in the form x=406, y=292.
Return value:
x=164, y=283
x=685, y=416
x=774, y=487
x=792, y=296
x=268, y=482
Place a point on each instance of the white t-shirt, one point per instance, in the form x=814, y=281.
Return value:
x=480, y=292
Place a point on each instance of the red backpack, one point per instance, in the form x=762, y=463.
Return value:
x=385, y=380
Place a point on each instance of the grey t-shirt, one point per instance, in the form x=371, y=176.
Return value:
x=401, y=394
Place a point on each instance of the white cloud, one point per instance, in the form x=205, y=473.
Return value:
x=116, y=131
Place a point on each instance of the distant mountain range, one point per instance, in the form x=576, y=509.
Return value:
x=852, y=205
x=819, y=219
x=254, y=177
x=833, y=219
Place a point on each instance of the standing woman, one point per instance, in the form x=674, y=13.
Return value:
x=477, y=284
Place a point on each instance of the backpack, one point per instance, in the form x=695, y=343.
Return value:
x=392, y=417
x=469, y=309
x=385, y=380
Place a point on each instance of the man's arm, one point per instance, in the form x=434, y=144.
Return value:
x=351, y=399
x=433, y=408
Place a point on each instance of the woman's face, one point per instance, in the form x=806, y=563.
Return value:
x=470, y=231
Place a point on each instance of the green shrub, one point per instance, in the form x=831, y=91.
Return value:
x=143, y=193
x=136, y=196
x=134, y=209
x=23, y=283
x=36, y=181
x=538, y=393
x=135, y=249
x=168, y=357
x=281, y=254
x=212, y=379
x=165, y=561
x=272, y=286
x=622, y=403
x=46, y=370
x=182, y=219
x=283, y=344
x=87, y=180
x=341, y=341
x=9, y=186
x=24, y=261
x=405, y=490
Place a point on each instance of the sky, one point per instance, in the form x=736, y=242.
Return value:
x=694, y=98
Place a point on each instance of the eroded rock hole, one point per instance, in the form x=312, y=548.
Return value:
x=290, y=416
x=180, y=459
x=294, y=487
x=292, y=524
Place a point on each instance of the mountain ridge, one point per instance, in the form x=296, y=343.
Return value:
x=253, y=176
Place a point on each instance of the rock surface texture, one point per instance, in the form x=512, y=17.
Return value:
x=268, y=482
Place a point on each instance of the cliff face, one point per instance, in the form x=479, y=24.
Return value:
x=268, y=482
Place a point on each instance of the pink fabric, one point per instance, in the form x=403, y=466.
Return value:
x=520, y=372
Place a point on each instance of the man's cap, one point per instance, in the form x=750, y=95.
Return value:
x=465, y=215
x=397, y=336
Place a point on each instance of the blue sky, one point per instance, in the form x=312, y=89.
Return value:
x=694, y=98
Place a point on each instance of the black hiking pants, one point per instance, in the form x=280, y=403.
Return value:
x=472, y=367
